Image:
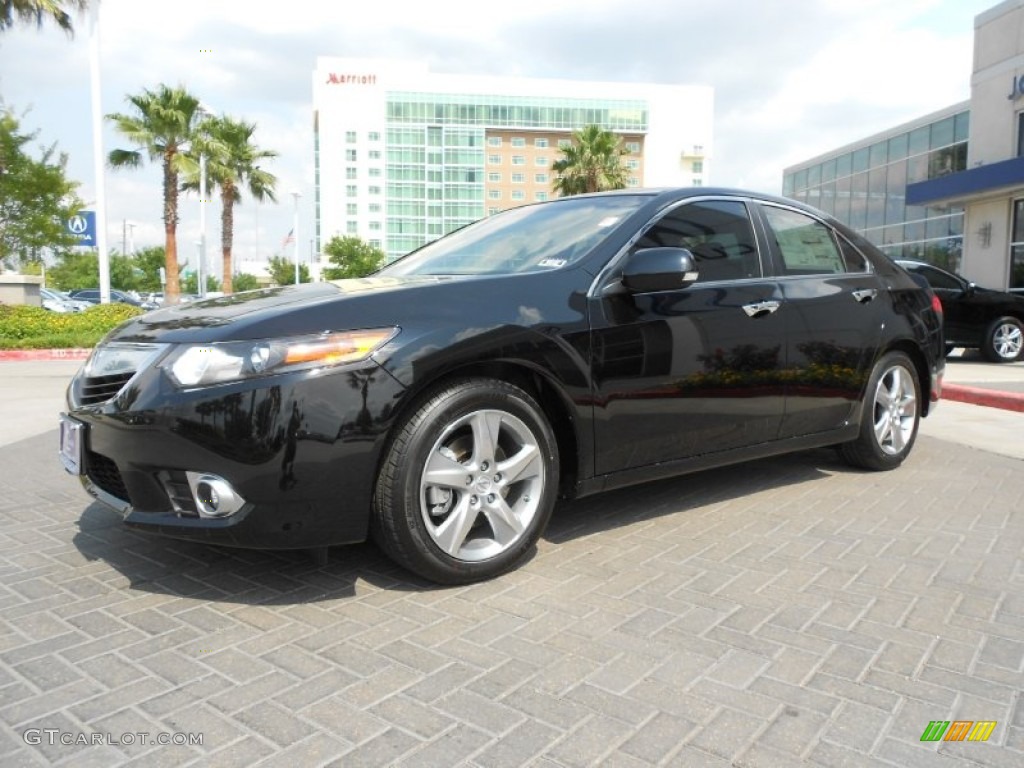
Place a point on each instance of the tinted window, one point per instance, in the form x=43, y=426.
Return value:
x=806, y=246
x=937, y=278
x=718, y=234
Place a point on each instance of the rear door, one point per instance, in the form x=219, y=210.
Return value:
x=836, y=306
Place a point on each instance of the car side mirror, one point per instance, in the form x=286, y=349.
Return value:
x=649, y=270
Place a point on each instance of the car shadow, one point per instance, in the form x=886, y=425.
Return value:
x=161, y=565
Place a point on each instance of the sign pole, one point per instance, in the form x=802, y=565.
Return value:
x=98, y=158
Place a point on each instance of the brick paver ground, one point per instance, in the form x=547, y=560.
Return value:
x=783, y=612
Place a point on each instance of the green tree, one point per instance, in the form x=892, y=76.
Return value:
x=74, y=269
x=147, y=265
x=233, y=163
x=282, y=271
x=351, y=257
x=36, y=198
x=162, y=123
x=28, y=11
x=243, y=281
x=592, y=163
x=190, y=284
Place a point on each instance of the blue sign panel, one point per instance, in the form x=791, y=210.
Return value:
x=83, y=226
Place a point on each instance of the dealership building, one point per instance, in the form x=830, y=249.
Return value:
x=947, y=188
x=404, y=155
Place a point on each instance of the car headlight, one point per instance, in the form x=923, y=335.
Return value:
x=201, y=365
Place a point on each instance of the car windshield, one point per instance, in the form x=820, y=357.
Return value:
x=532, y=238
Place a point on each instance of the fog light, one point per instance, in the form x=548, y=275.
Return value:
x=213, y=495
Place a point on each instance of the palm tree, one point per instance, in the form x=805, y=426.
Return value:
x=37, y=10
x=162, y=127
x=592, y=163
x=232, y=162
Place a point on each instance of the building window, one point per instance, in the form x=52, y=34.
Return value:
x=518, y=160
x=375, y=154
x=541, y=197
x=374, y=172
x=352, y=209
x=518, y=141
x=494, y=178
x=698, y=149
x=350, y=155
x=374, y=207
x=698, y=182
x=541, y=178
x=494, y=194
x=633, y=181
x=350, y=173
x=494, y=141
x=373, y=136
x=698, y=166
x=492, y=211
x=1017, y=246
x=518, y=194
x=540, y=143
x=632, y=164
x=352, y=227
x=518, y=178
x=564, y=143
x=350, y=137
x=633, y=147
x=351, y=191
x=375, y=225
x=375, y=190
x=540, y=160
x=494, y=159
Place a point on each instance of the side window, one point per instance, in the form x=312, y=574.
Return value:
x=854, y=259
x=806, y=245
x=718, y=234
x=939, y=279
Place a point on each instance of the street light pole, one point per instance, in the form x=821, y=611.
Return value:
x=295, y=231
x=97, y=153
x=201, y=270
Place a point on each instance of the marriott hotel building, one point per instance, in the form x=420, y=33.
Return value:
x=404, y=155
x=947, y=188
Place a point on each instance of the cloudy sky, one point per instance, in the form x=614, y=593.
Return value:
x=792, y=78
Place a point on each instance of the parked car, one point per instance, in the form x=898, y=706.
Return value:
x=55, y=301
x=92, y=295
x=976, y=317
x=559, y=349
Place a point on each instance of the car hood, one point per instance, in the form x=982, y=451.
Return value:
x=295, y=310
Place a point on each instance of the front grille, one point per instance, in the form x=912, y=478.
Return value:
x=99, y=389
x=104, y=474
x=179, y=492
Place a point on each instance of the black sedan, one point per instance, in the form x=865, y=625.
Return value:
x=976, y=317
x=442, y=405
x=92, y=295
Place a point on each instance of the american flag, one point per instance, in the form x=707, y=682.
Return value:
x=289, y=238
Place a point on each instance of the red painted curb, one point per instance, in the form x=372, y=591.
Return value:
x=1008, y=401
x=10, y=355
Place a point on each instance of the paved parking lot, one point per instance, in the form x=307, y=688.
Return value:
x=786, y=611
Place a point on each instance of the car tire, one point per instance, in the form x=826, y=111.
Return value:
x=1004, y=340
x=890, y=416
x=468, y=482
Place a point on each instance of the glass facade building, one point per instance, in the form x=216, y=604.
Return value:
x=403, y=155
x=864, y=185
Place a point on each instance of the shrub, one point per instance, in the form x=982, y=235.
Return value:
x=24, y=327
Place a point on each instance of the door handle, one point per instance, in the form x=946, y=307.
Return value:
x=864, y=295
x=761, y=308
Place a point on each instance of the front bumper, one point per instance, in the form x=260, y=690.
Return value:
x=302, y=449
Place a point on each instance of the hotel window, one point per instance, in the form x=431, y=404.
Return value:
x=540, y=160
x=352, y=209
x=374, y=136
x=374, y=172
x=350, y=173
x=494, y=194
x=351, y=191
x=375, y=243
x=698, y=166
x=352, y=227
x=375, y=154
x=540, y=143
x=375, y=190
x=374, y=207
x=494, y=159
x=518, y=160
x=518, y=194
x=350, y=155
x=375, y=225
x=518, y=141
x=541, y=178
x=494, y=178
x=541, y=197
x=350, y=137
x=492, y=211
x=518, y=178
x=633, y=147
x=494, y=141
